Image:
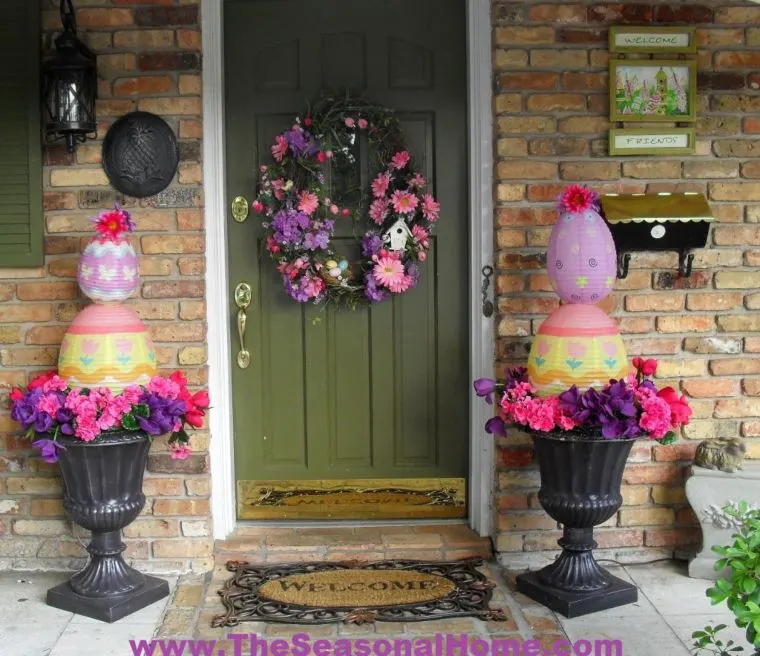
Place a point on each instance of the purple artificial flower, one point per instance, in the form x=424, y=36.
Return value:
x=301, y=143
x=43, y=423
x=314, y=240
x=24, y=411
x=496, y=426
x=372, y=244
x=413, y=271
x=162, y=414
x=372, y=291
x=515, y=376
x=485, y=387
x=295, y=290
x=48, y=449
x=65, y=419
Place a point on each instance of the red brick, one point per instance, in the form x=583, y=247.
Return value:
x=582, y=35
x=585, y=81
x=688, y=14
x=672, y=537
x=173, y=289
x=620, y=13
x=523, y=35
x=537, y=81
x=525, y=522
x=651, y=473
x=96, y=18
x=654, y=302
x=512, y=501
x=515, y=457
x=556, y=102
x=169, y=61
x=675, y=452
x=720, y=81
x=46, y=291
x=44, y=335
x=685, y=324
x=721, y=301
x=558, y=13
x=735, y=366
x=730, y=408
x=160, y=16
x=144, y=85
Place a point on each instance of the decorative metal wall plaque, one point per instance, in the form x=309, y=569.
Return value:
x=140, y=154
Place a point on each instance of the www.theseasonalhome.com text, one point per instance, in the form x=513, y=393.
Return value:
x=301, y=644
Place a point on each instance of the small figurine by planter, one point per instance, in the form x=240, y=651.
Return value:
x=724, y=453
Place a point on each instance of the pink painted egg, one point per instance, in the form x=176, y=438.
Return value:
x=576, y=345
x=107, y=346
x=581, y=260
x=108, y=270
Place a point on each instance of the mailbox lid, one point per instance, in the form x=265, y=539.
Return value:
x=655, y=208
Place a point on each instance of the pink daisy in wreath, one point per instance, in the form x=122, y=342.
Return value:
x=380, y=185
x=388, y=271
x=280, y=147
x=308, y=202
x=378, y=210
x=400, y=160
x=430, y=208
x=404, y=202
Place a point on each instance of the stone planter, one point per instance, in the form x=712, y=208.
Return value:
x=103, y=493
x=580, y=489
x=708, y=492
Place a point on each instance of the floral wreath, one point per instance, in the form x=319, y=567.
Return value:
x=301, y=201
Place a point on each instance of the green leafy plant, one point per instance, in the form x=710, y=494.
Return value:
x=741, y=589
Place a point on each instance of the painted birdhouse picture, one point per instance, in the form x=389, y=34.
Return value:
x=396, y=236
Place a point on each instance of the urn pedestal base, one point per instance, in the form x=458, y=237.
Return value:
x=574, y=604
x=111, y=608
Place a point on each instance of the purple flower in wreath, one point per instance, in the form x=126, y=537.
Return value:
x=371, y=289
x=295, y=290
x=287, y=226
x=371, y=244
x=413, y=271
x=314, y=240
x=301, y=143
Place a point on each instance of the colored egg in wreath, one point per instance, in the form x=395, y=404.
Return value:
x=581, y=259
x=107, y=346
x=107, y=270
x=576, y=345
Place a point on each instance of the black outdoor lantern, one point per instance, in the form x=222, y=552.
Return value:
x=69, y=85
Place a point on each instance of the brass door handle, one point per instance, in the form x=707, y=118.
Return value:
x=242, y=300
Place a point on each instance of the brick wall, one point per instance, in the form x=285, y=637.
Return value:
x=149, y=59
x=551, y=104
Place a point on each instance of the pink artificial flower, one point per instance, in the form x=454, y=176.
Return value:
x=417, y=181
x=380, y=185
x=345, y=211
x=420, y=234
x=405, y=283
x=679, y=406
x=404, y=202
x=656, y=417
x=132, y=394
x=263, y=168
x=400, y=160
x=645, y=367
x=308, y=202
x=378, y=210
x=577, y=198
x=329, y=154
x=388, y=271
x=180, y=451
x=272, y=245
x=314, y=286
x=55, y=384
x=349, y=122
x=49, y=403
x=362, y=123
x=421, y=256
x=334, y=209
x=40, y=379
x=87, y=429
x=430, y=208
x=280, y=147
x=542, y=418
x=164, y=387
x=257, y=206
x=321, y=157
x=307, y=121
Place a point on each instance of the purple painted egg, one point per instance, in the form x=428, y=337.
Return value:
x=108, y=270
x=581, y=260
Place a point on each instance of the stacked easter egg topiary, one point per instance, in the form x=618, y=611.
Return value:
x=107, y=344
x=578, y=344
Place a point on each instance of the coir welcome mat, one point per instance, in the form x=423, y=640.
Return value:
x=356, y=592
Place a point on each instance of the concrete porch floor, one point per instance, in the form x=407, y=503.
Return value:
x=670, y=605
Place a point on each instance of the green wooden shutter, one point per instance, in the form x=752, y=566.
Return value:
x=20, y=147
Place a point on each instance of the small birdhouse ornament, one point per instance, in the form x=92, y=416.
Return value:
x=396, y=236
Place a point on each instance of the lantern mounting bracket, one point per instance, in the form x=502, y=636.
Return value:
x=623, y=262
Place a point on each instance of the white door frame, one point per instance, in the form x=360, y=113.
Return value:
x=218, y=286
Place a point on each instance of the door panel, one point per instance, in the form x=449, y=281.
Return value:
x=378, y=397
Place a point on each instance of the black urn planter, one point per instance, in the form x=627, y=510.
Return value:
x=102, y=492
x=580, y=489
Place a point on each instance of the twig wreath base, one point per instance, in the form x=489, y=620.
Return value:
x=302, y=198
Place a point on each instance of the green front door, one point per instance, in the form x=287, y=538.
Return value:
x=351, y=414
